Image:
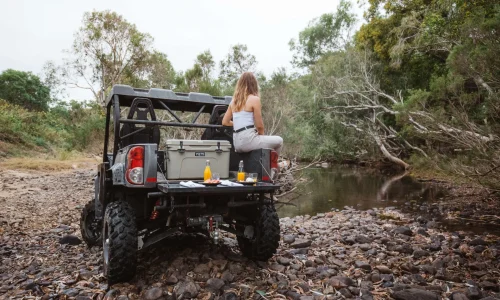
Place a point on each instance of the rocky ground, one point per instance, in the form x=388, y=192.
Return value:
x=375, y=254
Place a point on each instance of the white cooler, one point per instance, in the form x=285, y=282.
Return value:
x=186, y=159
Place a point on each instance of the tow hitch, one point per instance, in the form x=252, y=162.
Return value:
x=209, y=223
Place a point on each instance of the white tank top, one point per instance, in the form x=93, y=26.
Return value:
x=242, y=119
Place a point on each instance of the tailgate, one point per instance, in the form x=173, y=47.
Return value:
x=176, y=188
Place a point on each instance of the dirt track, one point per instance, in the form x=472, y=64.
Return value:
x=346, y=254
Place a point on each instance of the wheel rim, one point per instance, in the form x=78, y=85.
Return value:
x=105, y=248
x=92, y=226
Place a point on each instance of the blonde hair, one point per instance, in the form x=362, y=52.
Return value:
x=247, y=85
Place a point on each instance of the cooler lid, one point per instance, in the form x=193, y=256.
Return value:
x=198, y=143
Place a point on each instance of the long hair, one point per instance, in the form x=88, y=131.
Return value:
x=247, y=85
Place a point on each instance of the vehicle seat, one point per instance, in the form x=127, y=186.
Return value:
x=139, y=110
x=216, y=133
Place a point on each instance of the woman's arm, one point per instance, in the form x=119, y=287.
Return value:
x=226, y=121
x=257, y=114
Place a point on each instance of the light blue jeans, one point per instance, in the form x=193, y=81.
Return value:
x=248, y=140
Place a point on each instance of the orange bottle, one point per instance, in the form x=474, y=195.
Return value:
x=207, y=174
x=241, y=174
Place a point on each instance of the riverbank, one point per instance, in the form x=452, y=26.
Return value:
x=369, y=254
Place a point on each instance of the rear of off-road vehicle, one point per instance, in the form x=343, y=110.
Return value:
x=139, y=199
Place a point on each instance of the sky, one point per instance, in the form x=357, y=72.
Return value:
x=34, y=32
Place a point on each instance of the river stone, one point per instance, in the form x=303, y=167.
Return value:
x=365, y=247
x=414, y=294
x=288, y=238
x=477, y=242
x=284, y=261
x=345, y=280
x=473, y=293
x=383, y=269
x=71, y=292
x=153, y=293
x=403, y=230
x=362, y=239
x=363, y=265
x=301, y=243
x=420, y=253
x=172, y=279
x=277, y=267
x=69, y=239
x=215, y=284
x=186, y=290
x=458, y=296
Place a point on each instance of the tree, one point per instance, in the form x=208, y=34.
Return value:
x=326, y=34
x=106, y=48
x=157, y=72
x=24, y=89
x=235, y=63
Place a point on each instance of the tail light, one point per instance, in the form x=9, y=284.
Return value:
x=274, y=167
x=135, y=165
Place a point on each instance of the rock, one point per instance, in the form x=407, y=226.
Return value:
x=153, y=293
x=383, y=269
x=337, y=284
x=477, y=242
x=215, y=284
x=473, y=293
x=362, y=239
x=171, y=280
x=345, y=292
x=414, y=294
x=420, y=253
x=288, y=239
x=422, y=231
x=186, y=290
x=229, y=296
x=435, y=246
x=301, y=243
x=227, y=276
x=345, y=280
x=365, y=247
x=362, y=265
x=487, y=285
x=71, y=292
x=277, y=267
x=403, y=230
x=375, y=277
x=69, y=239
x=284, y=261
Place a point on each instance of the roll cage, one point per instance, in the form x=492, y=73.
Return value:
x=126, y=96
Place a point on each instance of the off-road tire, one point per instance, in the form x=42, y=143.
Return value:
x=90, y=229
x=119, y=242
x=266, y=235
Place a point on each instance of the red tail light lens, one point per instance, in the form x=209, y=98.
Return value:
x=274, y=159
x=135, y=165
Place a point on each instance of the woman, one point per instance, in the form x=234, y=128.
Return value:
x=245, y=110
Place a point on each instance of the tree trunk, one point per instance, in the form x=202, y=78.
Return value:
x=387, y=154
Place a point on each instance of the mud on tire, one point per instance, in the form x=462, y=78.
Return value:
x=266, y=235
x=90, y=228
x=119, y=242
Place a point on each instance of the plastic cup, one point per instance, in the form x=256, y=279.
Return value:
x=215, y=176
x=253, y=176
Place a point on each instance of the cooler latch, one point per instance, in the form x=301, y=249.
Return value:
x=218, y=150
x=181, y=150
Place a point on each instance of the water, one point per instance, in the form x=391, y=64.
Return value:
x=337, y=187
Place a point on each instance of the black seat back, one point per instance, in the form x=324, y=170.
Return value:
x=216, y=133
x=139, y=110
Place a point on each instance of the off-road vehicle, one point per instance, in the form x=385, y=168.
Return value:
x=139, y=199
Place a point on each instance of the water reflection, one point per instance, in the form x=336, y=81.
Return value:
x=337, y=187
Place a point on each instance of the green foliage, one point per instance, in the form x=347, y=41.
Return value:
x=324, y=35
x=73, y=126
x=24, y=89
x=235, y=63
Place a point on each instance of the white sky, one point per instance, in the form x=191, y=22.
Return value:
x=34, y=31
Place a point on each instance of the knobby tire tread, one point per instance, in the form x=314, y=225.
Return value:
x=266, y=242
x=89, y=240
x=122, y=232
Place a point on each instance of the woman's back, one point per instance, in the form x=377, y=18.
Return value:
x=242, y=119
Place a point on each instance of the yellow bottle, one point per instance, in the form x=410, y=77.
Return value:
x=241, y=174
x=207, y=174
